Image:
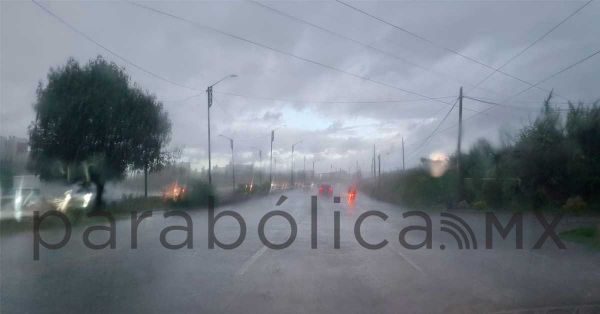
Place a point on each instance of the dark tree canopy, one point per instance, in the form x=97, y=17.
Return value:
x=92, y=125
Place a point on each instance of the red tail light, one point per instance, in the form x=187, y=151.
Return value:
x=330, y=190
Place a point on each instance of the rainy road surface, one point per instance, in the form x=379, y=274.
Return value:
x=298, y=279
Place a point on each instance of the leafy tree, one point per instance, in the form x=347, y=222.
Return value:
x=542, y=154
x=583, y=133
x=153, y=128
x=92, y=125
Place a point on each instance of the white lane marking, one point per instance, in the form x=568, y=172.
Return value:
x=263, y=249
x=411, y=263
x=251, y=261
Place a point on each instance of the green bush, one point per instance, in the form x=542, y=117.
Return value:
x=574, y=205
x=480, y=205
x=492, y=193
x=540, y=167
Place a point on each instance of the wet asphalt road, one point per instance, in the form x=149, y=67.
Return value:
x=297, y=279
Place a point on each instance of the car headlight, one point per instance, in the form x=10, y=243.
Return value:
x=86, y=199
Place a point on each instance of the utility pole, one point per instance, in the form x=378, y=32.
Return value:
x=403, y=168
x=260, y=166
x=293, y=146
x=458, y=150
x=232, y=161
x=379, y=170
x=271, y=158
x=304, y=171
x=374, y=165
x=209, y=93
x=232, y=165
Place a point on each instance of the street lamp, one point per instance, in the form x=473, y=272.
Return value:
x=271, y=157
x=293, y=146
x=209, y=93
x=232, y=160
x=259, y=163
x=313, y=168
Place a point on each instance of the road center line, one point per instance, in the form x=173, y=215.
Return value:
x=411, y=263
x=251, y=261
x=259, y=253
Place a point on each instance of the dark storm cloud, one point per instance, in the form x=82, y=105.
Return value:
x=294, y=95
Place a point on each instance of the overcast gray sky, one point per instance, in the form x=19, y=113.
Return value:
x=309, y=96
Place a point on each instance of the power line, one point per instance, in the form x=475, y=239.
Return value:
x=182, y=99
x=528, y=101
x=496, y=104
x=534, y=42
x=489, y=102
x=394, y=56
x=84, y=35
x=434, y=131
x=557, y=73
x=308, y=101
x=330, y=101
x=173, y=16
x=415, y=35
x=541, y=81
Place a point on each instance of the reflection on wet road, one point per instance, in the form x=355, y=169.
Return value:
x=297, y=279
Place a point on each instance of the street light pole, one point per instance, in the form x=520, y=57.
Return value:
x=259, y=164
x=403, y=168
x=293, y=146
x=209, y=93
x=304, y=172
x=271, y=160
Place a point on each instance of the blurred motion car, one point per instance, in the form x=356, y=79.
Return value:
x=173, y=192
x=325, y=189
x=279, y=186
x=79, y=196
x=352, y=192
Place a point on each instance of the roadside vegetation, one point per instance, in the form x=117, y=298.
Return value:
x=93, y=125
x=551, y=164
x=195, y=197
x=589, y=236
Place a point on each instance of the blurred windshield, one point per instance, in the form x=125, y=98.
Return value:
x=300, y=157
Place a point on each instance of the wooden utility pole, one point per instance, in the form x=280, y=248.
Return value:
x=403, y=168
x=374, y=164
x=458, y=150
